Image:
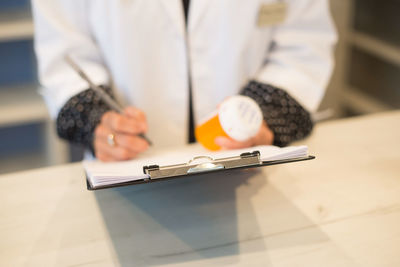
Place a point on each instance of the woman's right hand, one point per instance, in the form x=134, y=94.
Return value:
x=116, y=137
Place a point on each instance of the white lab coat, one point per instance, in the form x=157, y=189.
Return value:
x=140, y=46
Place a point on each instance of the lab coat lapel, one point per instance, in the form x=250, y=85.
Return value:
x=197, y=11
x=175, y=11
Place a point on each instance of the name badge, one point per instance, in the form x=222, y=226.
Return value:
x=272, y=14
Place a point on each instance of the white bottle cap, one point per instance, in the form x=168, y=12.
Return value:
x=240, y=117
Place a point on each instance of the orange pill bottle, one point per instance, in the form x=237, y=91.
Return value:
x=238, y=118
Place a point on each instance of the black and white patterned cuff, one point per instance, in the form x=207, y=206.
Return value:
x=287, y=119
x=79, y=117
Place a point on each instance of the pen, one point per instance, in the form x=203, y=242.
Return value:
x=105, y=97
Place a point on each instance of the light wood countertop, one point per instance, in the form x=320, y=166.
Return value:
x=341, y=209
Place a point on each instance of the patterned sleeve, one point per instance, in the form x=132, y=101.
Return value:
x=79, y=117
x=287, y=119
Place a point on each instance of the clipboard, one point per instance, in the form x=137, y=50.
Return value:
x=200, y=165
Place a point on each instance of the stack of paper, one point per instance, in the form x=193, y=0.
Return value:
x=100, y=173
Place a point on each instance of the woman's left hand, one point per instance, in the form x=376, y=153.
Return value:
x=264, y=137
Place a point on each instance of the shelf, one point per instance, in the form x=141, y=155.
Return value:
x=21, y=105
x=384, y=50
x=361, y=102
x=26, y=161
x=19, y=28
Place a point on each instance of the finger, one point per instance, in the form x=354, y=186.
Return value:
x=227, y=143
x=264, y=136
x=134, y=143
x=117, y=153
x=123, y=124
x=104, y=157
x=131, y=142
x=102, y=131
x=100, y=154
x=135, y=113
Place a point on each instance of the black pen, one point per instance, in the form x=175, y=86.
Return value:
x=105, y=97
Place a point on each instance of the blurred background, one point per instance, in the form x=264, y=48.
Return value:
x=366, y=78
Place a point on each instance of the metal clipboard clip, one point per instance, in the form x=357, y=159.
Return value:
x=203, y=164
